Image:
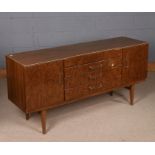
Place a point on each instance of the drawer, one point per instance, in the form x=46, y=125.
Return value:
x=80, y=92
x=80, y=70
x=92, y=57
x=109, y=80
x=82, y=80
x=84, y=91
x=75, y=93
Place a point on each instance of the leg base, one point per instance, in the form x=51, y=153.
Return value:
x=131, y=91
x=43, y=121
x=111, y=93
x=27, y=115
x=132, y=95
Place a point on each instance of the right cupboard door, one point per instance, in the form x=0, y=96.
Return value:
x=135, y=60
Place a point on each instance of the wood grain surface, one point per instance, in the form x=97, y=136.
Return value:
x=65, y=52
x=47, y=78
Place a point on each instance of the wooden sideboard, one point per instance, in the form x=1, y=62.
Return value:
x=47, y=78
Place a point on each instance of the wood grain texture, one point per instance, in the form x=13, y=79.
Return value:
x=95, y=86
x=65, y=52
x=43, y=79
x=135, y=63
x=92, y=57
x=16, y=83
x=44, y=85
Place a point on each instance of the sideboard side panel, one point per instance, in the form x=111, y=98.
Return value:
x=15, y=83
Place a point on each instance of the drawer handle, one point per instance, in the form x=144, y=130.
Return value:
x=91, y=68
x=68, y=76
x=126, y=66
x=91, y=88
x=112, y=64
x=92, y=77
x=100, y=86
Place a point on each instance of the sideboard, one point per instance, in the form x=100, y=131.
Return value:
x=47, y=78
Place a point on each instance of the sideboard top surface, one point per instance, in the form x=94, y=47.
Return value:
x=45, y=55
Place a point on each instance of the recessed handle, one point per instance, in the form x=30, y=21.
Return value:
x=91, y=88
x=100, y=85
x=91, y=68
x=112, y=65
x=126, y=66
x=92, y=77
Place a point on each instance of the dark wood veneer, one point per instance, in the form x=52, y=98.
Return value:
x=47, y=78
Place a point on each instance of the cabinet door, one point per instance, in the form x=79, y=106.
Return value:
x=135, y=60
x=53, y=83
x=44, y=85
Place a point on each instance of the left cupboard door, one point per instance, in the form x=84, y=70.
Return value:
x=44, y=86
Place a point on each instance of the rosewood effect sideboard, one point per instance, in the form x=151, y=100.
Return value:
x=47, y=78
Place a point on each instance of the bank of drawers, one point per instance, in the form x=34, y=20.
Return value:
x=92, y=74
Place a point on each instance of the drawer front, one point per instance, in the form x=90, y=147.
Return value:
x=86, y=68
x=108, y=80
x=82, y=80
x=92, y=57
x=81, y=92
x=83, y=59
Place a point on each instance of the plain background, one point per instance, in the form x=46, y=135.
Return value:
x=23, y=31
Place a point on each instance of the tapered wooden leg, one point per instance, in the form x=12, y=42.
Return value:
x=27, y=115
x=43, y=121
x=111, y=93
x=131, y=89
